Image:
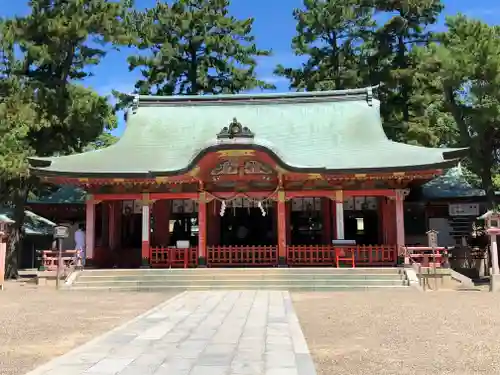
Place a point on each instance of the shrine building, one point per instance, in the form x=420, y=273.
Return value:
x=240, y=180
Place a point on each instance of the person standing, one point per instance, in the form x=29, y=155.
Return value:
x=80, y=243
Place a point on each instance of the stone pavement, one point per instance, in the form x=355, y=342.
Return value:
x=199, y=333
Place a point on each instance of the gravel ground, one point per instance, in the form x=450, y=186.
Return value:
x=37, y=324
x=402, y=333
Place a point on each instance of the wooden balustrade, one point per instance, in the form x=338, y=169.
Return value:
x=311, y=255
x=327, y=255
x=427, y=256
x=242, y=256
x=50, y=259
x=173, y=257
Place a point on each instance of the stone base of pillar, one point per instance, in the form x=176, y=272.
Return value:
x=202, y=262
x=282, y=262
x=495, y=283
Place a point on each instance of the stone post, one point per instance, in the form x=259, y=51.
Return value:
x=495, y=273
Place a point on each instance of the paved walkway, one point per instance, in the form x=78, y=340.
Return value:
x=199, y=333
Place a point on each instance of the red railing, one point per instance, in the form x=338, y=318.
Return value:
x=311, y=255
x=173, y=257
x=242, y=256
x=426, y=256
x=359, y=255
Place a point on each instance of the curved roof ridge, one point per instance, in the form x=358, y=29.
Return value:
x=365, y=93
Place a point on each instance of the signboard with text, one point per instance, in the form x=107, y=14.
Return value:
x=61, y=231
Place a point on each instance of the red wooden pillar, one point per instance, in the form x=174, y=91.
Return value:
x=161, y=214
x=281, y=229
x=217, y=222
x=288, y=222
x=327, y=222
x=389, y=214
x=118, y=209
x=382, y=209
x=112, y=224
x=213, y=223
x=89, y=227
x=146, y=221
x=105, y=218
x=333, y=212
x=202, y=229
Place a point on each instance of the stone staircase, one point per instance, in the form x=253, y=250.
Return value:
x=300, y=279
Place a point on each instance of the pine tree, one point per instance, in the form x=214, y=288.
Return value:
x=466, y=65
x=195, y=47
x=44, y=111
x=329, y=33
x=391, y=63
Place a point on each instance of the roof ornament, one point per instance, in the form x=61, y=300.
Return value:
x=235, y=130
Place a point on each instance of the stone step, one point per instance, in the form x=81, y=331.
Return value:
x=250, y=283
x=241, y=279
x=253, y=271
x=235, y=276
x=318, y=288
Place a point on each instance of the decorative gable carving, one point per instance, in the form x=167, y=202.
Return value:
x=235, y=130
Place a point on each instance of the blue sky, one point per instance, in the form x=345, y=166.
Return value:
x=274, y=28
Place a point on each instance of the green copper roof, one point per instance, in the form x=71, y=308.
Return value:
x=33, y=224
x=63, y=195
x=337, y=131
x=452, y=184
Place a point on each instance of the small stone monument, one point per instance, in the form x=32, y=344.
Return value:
x=492, y=221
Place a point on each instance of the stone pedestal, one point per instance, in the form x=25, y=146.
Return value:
x=495, y=283
x=495, y=272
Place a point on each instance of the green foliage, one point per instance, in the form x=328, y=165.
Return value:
x=194, y=47
x=466, y=65
x=43, y=110
x=329, y=33
x=347, y=48
x=392, y=64
x=102, y=141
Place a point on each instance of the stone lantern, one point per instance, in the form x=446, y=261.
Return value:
x=492, y=225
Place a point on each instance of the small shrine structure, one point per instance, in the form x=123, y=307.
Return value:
x=304, y=178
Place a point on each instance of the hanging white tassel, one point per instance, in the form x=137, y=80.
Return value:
x=259, y=204
x=222, y=208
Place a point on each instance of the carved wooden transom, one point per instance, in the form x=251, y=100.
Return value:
x=249, y=167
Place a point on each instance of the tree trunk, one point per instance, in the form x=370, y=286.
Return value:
x=15, y=239
x=487, y=184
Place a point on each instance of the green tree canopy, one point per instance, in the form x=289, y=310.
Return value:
x=195, y=47
x=44, y=111
x=330, y=34
x=367, y=42
x=392, y=64
x=465, y=64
